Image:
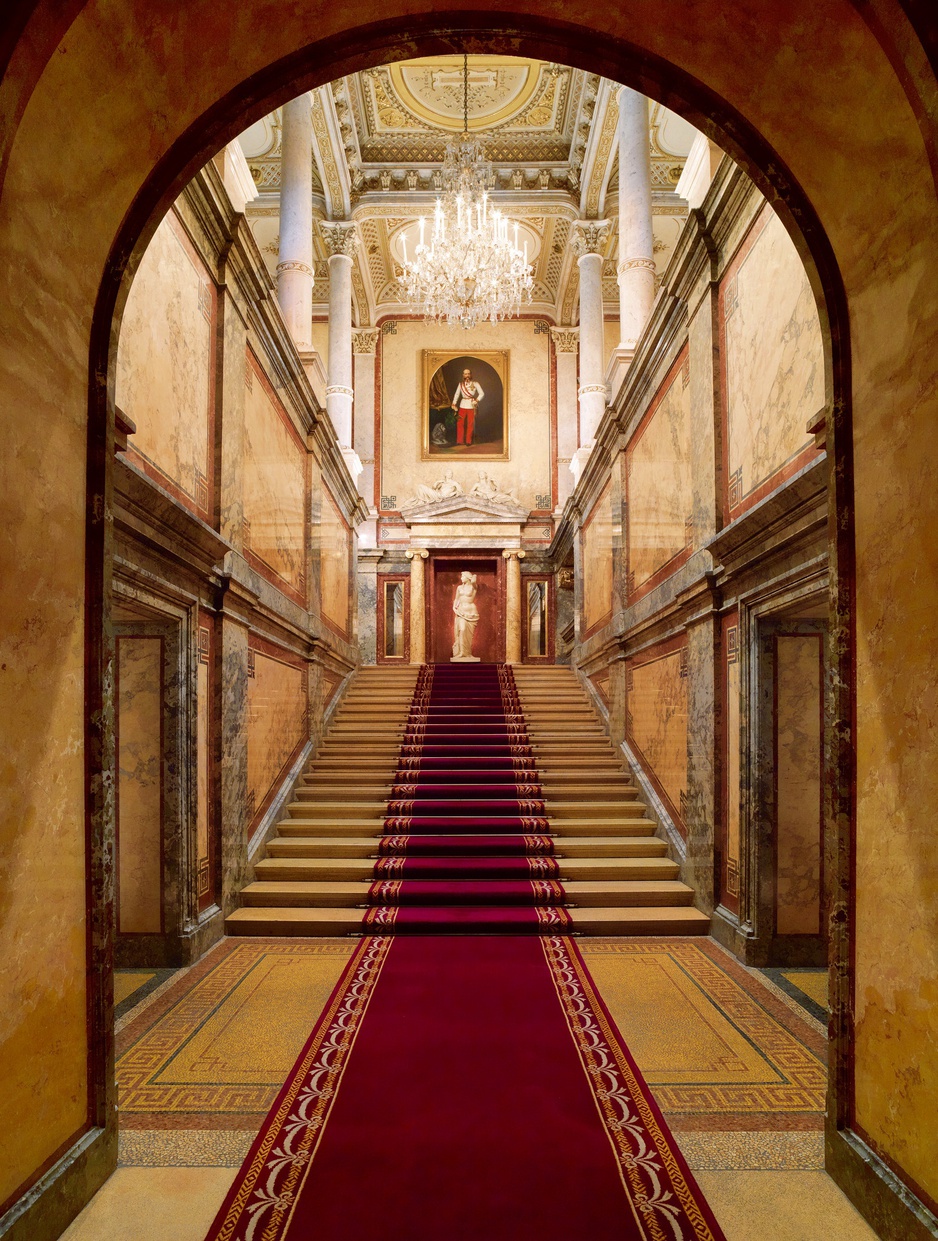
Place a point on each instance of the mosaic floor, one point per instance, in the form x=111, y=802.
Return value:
x=735, y=1058
x=736, y=1061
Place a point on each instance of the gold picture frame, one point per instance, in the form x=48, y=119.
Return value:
x=440, y=431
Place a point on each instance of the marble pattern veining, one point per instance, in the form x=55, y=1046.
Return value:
x=335, y=540
x=772, y=355
x=165, y=363
x=657, y=719
x=660, y=496
x=597, y=559
x=798, y=775
x=139, y=793
x=732, y=760
x=274, y=471
x=276, y=721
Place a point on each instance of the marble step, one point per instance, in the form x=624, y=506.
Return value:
x=278, y=869
x=338, y=894
x=617, y=920
x=602, y=807
x=608, y=792
x=364, y=846
x=337, y=810
x=385, y=775
x=594, y=825
x=305, y=824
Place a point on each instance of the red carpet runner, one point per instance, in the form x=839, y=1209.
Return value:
x=466, y=845
x=465, y=1088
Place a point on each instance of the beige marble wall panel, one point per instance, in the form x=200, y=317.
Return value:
x=657, y=715
x=528, y=472
x=660, y=495
x=164, y=361
x=140, y=783
x=335, y=550
x=798, y=689
x=276, y=720
x=773, y=357
x=274, y=473
x=598, y=570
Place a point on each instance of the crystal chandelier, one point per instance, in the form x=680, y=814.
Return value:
x=469, y=269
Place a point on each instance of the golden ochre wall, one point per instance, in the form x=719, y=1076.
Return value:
x=274, y=470
x=277, y=718
x=656, y=719
x=772, y=355
x=597, y=544
x=165, y=364
x=659, y=487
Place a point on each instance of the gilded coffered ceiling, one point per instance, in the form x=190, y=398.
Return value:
x=379, y=138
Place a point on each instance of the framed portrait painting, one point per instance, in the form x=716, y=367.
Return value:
x=465, y=406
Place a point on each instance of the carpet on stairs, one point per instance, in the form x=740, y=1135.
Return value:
x=464, y=1087
x=466, y=846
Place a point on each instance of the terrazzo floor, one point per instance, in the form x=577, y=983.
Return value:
x=735, y=1058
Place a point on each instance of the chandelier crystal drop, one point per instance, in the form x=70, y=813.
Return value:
x=466, y=266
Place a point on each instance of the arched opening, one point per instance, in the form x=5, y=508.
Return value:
x=638, y=65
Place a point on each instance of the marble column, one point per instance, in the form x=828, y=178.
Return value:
x=589, y=240
x=295, y=265
x=513, y=608
x=364, y=349
x=342, y=241
x=636, y=269
x=418, y=617
x=566, y=346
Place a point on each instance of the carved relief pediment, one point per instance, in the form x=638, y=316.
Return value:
x=459, y=509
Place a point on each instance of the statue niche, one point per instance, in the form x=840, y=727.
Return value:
x=465, y=619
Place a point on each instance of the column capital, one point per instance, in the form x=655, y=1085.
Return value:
x=589, y=237
x=365, y=340
x=420, y=553
x=341, y=237
x=566, y=339
x=511, y=552
x=295, y=265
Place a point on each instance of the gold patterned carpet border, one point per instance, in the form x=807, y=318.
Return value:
x=719, y=1049
x=213, y=1051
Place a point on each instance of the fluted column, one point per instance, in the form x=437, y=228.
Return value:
x=418, y=612
x=341, y=240
x=636, y=270
x=513, y=606
x=566, y=346
x=364, y=350
x=295, y=265
x=589, y=240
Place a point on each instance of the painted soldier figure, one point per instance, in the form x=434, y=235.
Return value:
x=465, y=402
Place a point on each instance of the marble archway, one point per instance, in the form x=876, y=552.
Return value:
x=84, y=185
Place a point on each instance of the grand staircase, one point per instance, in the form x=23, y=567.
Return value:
x=320, y=874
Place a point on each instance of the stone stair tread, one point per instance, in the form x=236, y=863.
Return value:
x=337, y=893
x=639, y=920
x=602, y=870
x=611, y=921
x=616, y=873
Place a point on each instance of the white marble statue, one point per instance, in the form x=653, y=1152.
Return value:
x=487, y=489
x=466, y=617
x=444, y=489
